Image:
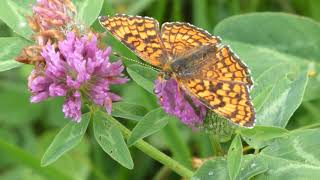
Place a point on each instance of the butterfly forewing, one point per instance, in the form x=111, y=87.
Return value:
x=229, y=67
x=140, y=34
x=179, y=38
x=218, y=64
x=209, y=62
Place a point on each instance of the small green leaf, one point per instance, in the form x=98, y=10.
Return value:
x=10, y=48
x=234, y=157
x=212, y=169
x=258, y=136
x=151, y=123
x=88, y=10
x=128, y=111
x=143, y=76
x=77, y=159
x=65, y=140
x=111, y=140
x=251, y=166
x=14, y=13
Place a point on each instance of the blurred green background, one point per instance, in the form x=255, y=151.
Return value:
x=32, y=126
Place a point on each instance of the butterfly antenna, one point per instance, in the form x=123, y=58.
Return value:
x=138, y=62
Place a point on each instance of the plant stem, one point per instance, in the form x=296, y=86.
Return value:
x=217, y=150
x=153, y=152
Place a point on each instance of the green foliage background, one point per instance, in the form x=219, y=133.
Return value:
x=281, y=49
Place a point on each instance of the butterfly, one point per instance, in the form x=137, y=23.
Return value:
x=203, y=67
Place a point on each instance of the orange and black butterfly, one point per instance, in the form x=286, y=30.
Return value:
x=203, y=67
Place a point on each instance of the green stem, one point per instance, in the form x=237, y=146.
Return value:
x=217, y=150
x=153, y=152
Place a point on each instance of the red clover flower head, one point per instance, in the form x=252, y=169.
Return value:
x=177, y=103
x=77, y=69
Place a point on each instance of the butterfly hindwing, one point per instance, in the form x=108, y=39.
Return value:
x=140, y=34
x=228, y=99
x=219, y=80
x=223, y=65
x=229, y=67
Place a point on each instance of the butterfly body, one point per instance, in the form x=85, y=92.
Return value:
x=203, y=67
x=188, y=64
